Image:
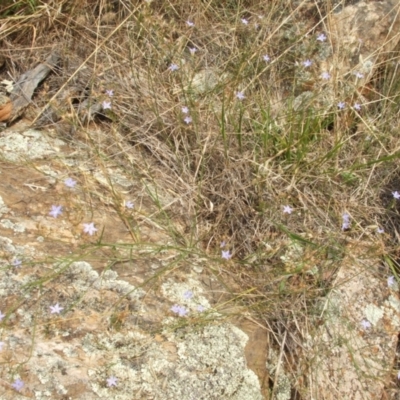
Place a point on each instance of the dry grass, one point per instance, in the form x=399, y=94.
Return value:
x=229, y=173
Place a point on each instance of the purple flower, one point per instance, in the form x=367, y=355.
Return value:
x=17, y=263
x=244, y=21
x=398, y=375
x=173, y=67
x=365, y=324
x=359, y=75
x=188, y=294
x=129, y=204
x=200, y=308
x=307, y=63
x=287, y=209
x=1, y=346
x=180, y=310
x=2, y=316
x=192, y=50
x=325, y=75
x=56, y=309
x=106, y=105
x=185, y=109
x=357, y=106
x=69, y=182
x=341, y=105
x=110, y=92
x=396, y=195
x=346, y=221
x=112, y=381
x=190, y=23
x=55, y=211
x=18, y=385
x=380, y=230
x=266, y=58
x=188, y=119
x=240, y=95
x=223, y=244
x=226, y=255
x=89, y=228
x=390, y=281
x=321, y=37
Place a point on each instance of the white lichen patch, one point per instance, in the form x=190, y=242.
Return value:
x=373, y=313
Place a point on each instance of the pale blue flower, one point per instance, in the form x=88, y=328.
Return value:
x=192, y=50
x=110, y=92
x=244, y=21
x=106, y=105
x=380, y=230
x=1, y=346
x=396, y=195
x=2, y=316
x=190, y=23
x=18, y=385
x=17, y=263
x=69, y=182
x=325, y=75
x=341, y=105
x=112, y=381
x=173, y=67
x=365, y=324
x=226, y=255
x=188, y=294
x=55, y=211
x=89, y=228
x=223, y=244
x=188, y=119
x=129, y=204
x=266, y=58
x=180, y=310
x=200, y=308
x=357, y=106
x=346, y=221
x=56, y=309
x=359, y=75
x=185, y=109
x=391, y=281
x=307, y=63
x=240, y=95
x=398, y=375
x=287, y=209
x=321, y=37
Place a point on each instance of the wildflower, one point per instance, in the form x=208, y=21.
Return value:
x=200, y=308
x=129, y=204
x=266, y=58
x=307, y=63
x=240, y=95
x=188, y=294
x=357, y=106
x=390, y=281
x=226, y=255
x=380, y=230
x=112, y=381
x=321, y=37
x=245, y=21
x=17, y=263
x=173, y=67
x=56, y=309
x=287, y=209
x=188, y=119
x=185, y=109
x=365, y=324
x=1, y=346
x=190, y=23
x=55, y=211
x=398, y=375
x=325, y=75
x=341, y=105
x=346, y=221
x=110, y=92
x=2, y=316
x=180, y=310
x=359, y=75
x=106, y=105
x=192, y=50
x=223, y=244
x=18, y=385
x=69, y=182
x=396, y=195
x=89, y=228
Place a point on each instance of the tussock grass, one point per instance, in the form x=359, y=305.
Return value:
x=228, y=174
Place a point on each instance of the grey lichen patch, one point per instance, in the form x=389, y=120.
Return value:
x=282, y=389
x=16, y=227
x=373, y=313
x=31, y=144
x=3, y=208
